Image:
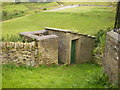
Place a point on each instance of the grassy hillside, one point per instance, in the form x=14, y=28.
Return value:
x=13, y=10
x=84, y=19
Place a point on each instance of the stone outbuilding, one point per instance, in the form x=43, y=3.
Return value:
x=65, y=46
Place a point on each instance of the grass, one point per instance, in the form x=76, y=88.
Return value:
x=74, y=76
x=89, y=21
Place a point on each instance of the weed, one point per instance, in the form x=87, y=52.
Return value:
x=12, y=38
x=100, y=79
x=9, y=65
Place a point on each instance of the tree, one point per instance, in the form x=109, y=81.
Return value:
x=60, y=3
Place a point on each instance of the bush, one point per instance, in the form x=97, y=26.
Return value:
x=99, y=47
x=44, y=8
x=99, y=36
x=36, y=11
x=15, y=14
x=22, y=11
x=4, y=13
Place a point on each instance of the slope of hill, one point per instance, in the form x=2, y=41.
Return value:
x=91, y=20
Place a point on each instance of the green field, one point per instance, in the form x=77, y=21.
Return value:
x=75, y=76
x=82, y=19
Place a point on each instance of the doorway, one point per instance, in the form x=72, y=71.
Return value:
x=73, y=50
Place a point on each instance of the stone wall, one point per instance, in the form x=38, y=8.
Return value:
x=19, y=53
x=31, y=54
x=111, y=56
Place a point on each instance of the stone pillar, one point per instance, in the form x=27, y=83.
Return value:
x=47, y=50
x=111, y=58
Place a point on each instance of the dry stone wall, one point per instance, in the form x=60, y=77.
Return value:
x=19, y=53
x=27, y=53
x=111, y=56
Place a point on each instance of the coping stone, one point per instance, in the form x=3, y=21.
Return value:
x=68, y=31
x=34, y=32
x=115, y=35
